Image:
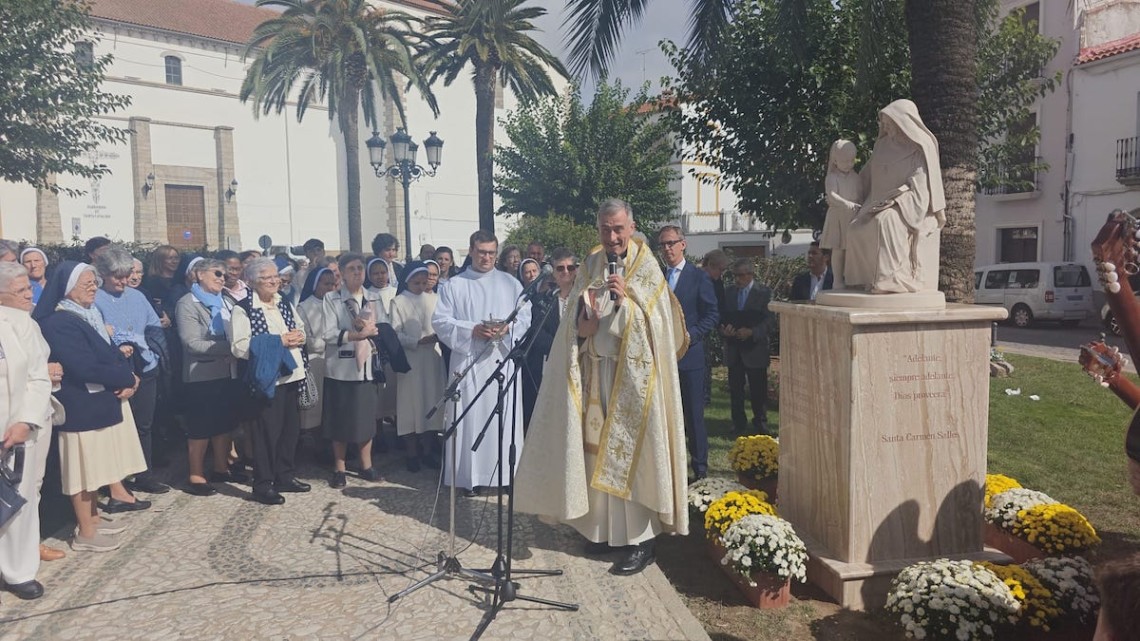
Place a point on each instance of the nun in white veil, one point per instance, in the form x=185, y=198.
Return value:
x=893, y=241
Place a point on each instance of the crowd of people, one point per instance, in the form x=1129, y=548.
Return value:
x=251, y=358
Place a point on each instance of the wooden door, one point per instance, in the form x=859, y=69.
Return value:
x=185, y=216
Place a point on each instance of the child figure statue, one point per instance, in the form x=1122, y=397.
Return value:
x=844, y=191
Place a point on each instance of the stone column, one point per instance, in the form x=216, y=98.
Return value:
x=49, y=221
x=149, y=226
x=226, y=226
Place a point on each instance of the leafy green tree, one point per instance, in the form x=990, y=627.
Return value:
x=566, y=157
x=493, y=37
x=344, y=53
x=791, y=76
x=49, y=96
x=595, y=28
x=554, y=231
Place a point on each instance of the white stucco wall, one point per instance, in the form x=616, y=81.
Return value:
x=1043, y=209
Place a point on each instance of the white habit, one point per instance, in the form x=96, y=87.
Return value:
x=423, y=385
x=466, y=300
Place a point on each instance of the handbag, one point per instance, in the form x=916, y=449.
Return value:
x=308, y=396
x=10, y=499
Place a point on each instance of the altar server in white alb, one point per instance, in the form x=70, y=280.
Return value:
x=471, y=309
x=423, y=385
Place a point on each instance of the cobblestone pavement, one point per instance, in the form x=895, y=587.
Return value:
x=322, y=567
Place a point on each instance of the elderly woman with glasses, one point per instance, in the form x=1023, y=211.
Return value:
x=130, y=315
x=351, y=317
x=267, y=335
x=25, y=421
x=207, y=366
x=98, y=443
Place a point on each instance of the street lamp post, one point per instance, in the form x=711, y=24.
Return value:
x=404, y=167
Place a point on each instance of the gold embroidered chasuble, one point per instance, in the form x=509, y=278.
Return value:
x=637, y=431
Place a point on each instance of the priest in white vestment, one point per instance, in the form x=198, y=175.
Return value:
x=470, y=306
x=606, y=447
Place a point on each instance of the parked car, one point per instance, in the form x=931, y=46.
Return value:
x=1036, y=291
x=1107, y=318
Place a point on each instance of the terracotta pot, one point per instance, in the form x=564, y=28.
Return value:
x=768, y=485
x=1018, y=549
x=771, y=591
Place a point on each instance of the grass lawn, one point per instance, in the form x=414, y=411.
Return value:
x=1069, y=444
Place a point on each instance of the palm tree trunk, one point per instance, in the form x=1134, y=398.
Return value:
x=943, y=55
x=485, y=143
x=349, y=128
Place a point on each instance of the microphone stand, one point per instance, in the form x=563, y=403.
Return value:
x=506, y=590
x=447, y=563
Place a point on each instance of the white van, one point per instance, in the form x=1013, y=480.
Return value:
x=1036, y=291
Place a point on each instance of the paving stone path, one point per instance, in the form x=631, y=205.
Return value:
x=323, y=565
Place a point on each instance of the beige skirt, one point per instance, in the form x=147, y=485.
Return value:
x=89, y=460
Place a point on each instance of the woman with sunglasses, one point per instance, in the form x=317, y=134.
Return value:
x=565, y=269
x=207, y=367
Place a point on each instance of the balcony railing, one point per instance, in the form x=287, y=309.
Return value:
x=1001, y=181
x=1128, y=160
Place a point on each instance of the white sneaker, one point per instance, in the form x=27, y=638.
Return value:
x=109, y=528
x=98, y=543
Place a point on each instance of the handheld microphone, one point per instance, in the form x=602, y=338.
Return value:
x=611, y=270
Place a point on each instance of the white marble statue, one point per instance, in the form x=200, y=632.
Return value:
x=844, y=190
x=892, y=243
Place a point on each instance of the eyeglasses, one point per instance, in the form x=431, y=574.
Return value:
x=566, y=268
x=669, y=244
x=488, y=252
x=742, y=274
x=219, y=274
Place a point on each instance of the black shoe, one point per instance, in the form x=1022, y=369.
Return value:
x=268, y=497
x=115, y=506
x=148, y=486
x=413, y=464
x=339, y=480
x=472, y=493
x=200, y=489
x=229, y=477
x=28, y=590
x=372, y=474
x=597, y=549
x=292, y=485
x=638, y=558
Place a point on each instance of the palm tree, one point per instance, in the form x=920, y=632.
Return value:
x=595, y=27
x=340, y=52
x=943, y=37
x=493, y=37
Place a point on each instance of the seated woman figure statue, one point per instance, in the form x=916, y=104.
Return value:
x=892, y=244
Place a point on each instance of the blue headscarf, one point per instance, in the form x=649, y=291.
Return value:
x=217, y=311
x=311, y=282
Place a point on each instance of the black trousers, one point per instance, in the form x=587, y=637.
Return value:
x=275, y=433
x=142, y=407
x=757, y=394
x=693, y=407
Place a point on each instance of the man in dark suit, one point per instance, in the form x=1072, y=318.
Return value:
x=694, y=290
x=745, y=331
x=818, y=277
x=714, y=264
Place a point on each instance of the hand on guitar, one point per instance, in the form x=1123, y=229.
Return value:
x=1105, y=365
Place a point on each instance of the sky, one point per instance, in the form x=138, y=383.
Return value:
x=639, y=57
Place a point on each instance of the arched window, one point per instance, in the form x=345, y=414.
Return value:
x=173, y=70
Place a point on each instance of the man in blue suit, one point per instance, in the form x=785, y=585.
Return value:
x=694, y=290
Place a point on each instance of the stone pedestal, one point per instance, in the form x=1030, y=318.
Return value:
x=883, y=427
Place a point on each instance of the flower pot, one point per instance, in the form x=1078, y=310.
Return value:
x=768, y=484
x=1018, y=549
x=1063, y=631
x=771, y=591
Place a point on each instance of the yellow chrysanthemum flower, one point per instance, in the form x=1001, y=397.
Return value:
x=757, y=456
x=734, y=506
